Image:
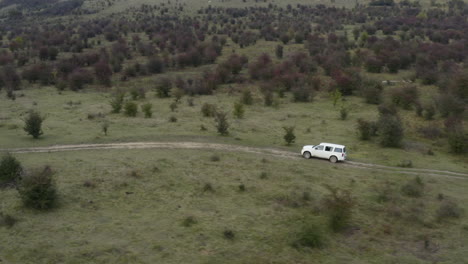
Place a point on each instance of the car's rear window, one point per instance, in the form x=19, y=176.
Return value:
x=339, y=150
x=344, y=150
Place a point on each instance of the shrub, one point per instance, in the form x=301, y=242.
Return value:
x=289, y=136
x=458, y=141
x=37, y=189
x=344, y=113
x=208, y=110
x=189, y=221
x=172, y=119
x=155, y=65
x=229, y=234
x=405, y=96
x=448, y=209
x=405, y=164
x=390, y=131
x=371, y=91
x=130, y=109
x=147, y=109
x=268, y=99
x=239, y=110
x=173, y=106
x=430, y=132
x=10, y=170
x=7, y=220
x=339, y=205
x=117, y=102
x=215, y=158
x=222, y=124
x=105, y=127
x=302, y=94
x=33, y=123
x=413, y=188
x=246, y=97
x=279, y=51
x=163, y=88
x=311, y=237
x=366, y=129
x=208, y=187
x=242, y=187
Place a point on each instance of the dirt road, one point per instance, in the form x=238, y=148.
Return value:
x=231, y=148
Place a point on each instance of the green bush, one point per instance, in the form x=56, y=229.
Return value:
x=344, y=113
x=390, y=130
x=208, y=110
x=37, y=189
x=246, y=97
x=130, y=109
x=222, y=124
x=448, y=209
x=413, y=188
x=189, y=221
x=366, y=129
x=339, y=205
x=458, y=141
x=311, y=237
x=7, y=220
x=147, y=109
x=289, y=136
x=117, y=102
x=33, y=124
x=10, y=170
x=239, y=110
x=163, y=88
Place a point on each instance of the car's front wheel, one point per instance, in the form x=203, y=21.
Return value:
x=333, y=159
x=306, y=155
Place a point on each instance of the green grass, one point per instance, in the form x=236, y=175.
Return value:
x=136, y=210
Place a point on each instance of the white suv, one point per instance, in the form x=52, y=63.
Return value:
x=332, y=152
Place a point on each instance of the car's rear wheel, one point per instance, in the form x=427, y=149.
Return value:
x=333, y=159
x=307, y=155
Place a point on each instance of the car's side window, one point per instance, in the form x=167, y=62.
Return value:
x=339, y=150
x=319, y=147
x=328, y=148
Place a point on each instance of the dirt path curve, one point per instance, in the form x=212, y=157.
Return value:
x=230, y=148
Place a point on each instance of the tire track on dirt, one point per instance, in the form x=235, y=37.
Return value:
x=230, y=148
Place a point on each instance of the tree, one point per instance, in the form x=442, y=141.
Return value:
x=239, y=110
x=147, y=109
x=117, y=102
x=131, y=109
x=390, y=130
x=222, y=124
x=289, y=136
x=103, y=72
x=10, y=169
x=33, y=123
x=37, y=189
x=336, y=96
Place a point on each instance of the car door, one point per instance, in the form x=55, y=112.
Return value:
x=317, y=151
x=327, y=152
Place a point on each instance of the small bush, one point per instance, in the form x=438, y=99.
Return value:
x=117, y=102
x=458, y=141
x=7, y=220
x=222, y=124
x=263, y=175
x=229, y=234
x=344, y=113
x=448, y=209
x=172, y=119
x=413, y=188
x=208, y=188
x=366, y=129
x=147, y=109
x=163, y=88
x=208, y=110
x=390, y=130
x=405, y=96
x=242, y=187
x=37, y=189
x=215, y=158
x=105, y=127
x=405, y=164
x=246, y=97
x=89, y=184
x=289, y=136
x=130, y=109
x=189, y=221
x=239, y=110
x=173, y=106
x=10, y=170
x=33, y=124
x=311, y=237
x=339, y=205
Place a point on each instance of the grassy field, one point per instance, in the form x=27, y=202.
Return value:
x=136, y=202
